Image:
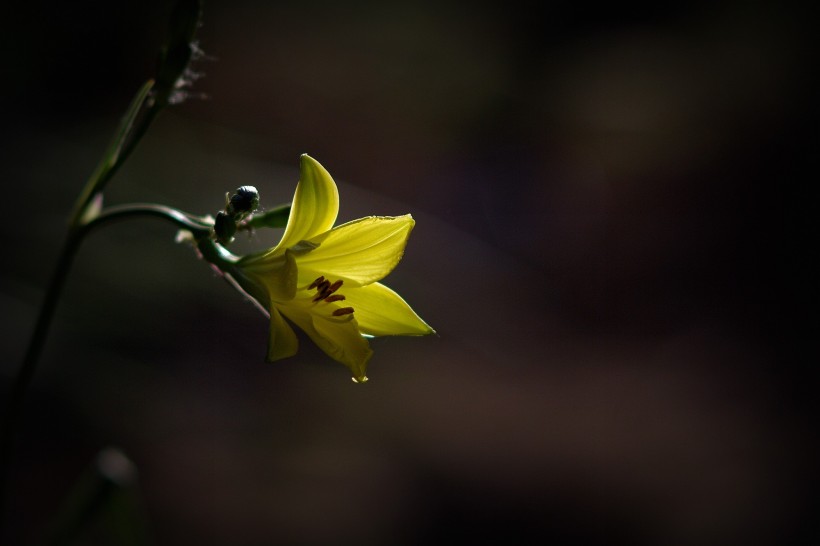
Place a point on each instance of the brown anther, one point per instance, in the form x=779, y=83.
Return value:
x=335, y=286
x=322, y=291
x=319, y=297
x=316, y=283
x=334, y=297
x=342, y=311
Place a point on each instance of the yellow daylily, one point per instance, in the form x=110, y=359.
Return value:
x=325, y=279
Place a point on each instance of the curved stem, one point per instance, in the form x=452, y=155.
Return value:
x=197, y=225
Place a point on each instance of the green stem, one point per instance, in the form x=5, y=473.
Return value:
x=26, y=372
x=199, y=226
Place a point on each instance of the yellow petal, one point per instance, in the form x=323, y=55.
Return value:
x=342, y=341
x=315, y=204
x=339, y=337
x=359, y=252
x=276, y=272
x=282, y=342
x=381, y=312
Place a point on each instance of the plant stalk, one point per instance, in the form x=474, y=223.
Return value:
x=197, y=225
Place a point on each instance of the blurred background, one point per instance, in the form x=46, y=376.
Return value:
x=614, y=237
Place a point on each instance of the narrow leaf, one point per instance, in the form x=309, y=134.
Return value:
x=113, y=153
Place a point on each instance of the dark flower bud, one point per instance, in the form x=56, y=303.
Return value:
x=244, y=201
x=224, y=227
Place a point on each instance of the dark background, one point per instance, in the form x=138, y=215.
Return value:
x=614, y=234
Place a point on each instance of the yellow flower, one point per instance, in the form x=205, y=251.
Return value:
x=324, y=278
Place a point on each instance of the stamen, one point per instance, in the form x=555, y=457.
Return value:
x=335, y=286
x=325, y=291
x=322, y=291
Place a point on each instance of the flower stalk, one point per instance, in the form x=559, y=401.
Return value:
x=173, y=73
x=199, y=226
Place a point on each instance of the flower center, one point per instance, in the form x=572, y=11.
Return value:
x=325, y=291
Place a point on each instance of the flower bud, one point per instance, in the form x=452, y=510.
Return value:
x=224, y=227
x=244, y=201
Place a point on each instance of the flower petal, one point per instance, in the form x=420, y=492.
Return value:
x=339, y=337
x=359, y=252
x=382, y=312
x=315, y=204
x=282, y=342
x=342, y=341
x=276, y=272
